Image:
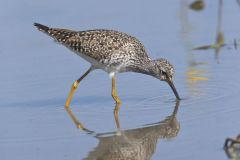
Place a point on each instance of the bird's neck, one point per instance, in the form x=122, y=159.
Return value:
x=148, y=67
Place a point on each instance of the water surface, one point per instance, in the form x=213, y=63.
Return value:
x=36, y=75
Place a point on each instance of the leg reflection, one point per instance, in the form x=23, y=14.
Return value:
x=116, y=115
x=76, y=122
x=80, y=125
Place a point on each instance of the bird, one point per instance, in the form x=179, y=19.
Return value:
x=112, y=51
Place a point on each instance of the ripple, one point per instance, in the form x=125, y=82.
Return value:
x=214, y=91
x=36, y=139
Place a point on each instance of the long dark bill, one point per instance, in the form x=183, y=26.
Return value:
x=174, y=89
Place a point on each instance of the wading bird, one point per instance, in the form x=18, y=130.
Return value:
x=113, y=52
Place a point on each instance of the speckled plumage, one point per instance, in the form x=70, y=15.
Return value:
x=111, y=51
x=103, y=48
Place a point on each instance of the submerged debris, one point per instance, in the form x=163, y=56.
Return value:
x=197, y=5
x=232, y=147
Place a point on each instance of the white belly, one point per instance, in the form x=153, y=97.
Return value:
x=115, y=64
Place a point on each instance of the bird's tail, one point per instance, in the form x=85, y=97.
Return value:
x=60, y=35
x=42, y=28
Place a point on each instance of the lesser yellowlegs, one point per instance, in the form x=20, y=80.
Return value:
x=113, y=52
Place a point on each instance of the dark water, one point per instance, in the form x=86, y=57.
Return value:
x=36, y=75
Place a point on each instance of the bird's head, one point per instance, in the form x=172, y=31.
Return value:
x=165, y=69
x=165, y=73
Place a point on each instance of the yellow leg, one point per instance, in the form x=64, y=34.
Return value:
x=114, y=95
x=74, y=87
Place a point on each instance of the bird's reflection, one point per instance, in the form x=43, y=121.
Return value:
x=132, y=144
x=137, y=143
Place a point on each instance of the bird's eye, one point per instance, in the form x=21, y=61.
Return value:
x=166, y=76
x=163, y=75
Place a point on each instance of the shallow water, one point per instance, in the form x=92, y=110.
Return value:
x=36, y=75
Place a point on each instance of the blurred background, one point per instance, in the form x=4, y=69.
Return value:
x=200, y=38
